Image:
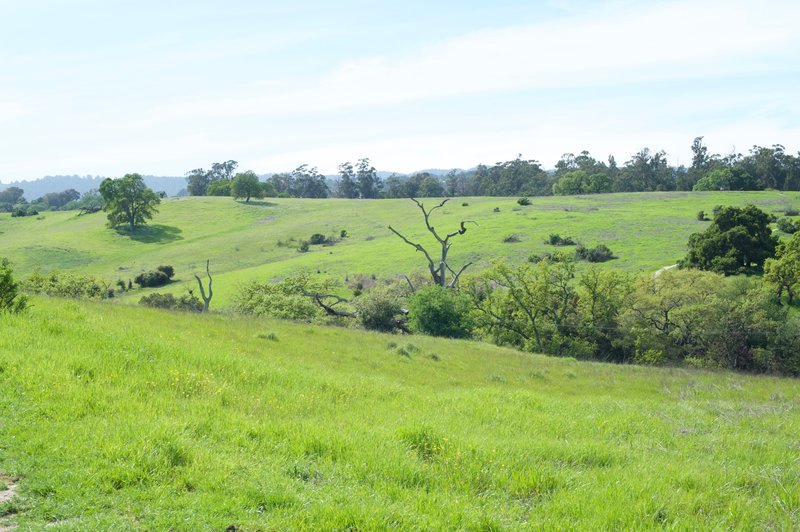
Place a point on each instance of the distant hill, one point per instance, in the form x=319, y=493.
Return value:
x=172, y=185
x=57, y=183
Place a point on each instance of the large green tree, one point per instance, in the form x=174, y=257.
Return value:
x=128, y=201
x=739, y=240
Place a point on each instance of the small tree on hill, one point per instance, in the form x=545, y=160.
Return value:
x=246, y=185
x=439, y=269
x=128, y=201
x=10, y=300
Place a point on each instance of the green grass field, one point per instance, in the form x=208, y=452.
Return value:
x=244, y=242
x=121, y=418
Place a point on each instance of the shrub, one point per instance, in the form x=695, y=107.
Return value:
x=465, y=204
x=67, y=285
x=11, y=301
x=787, y=226
x=285, y=299
x=524, y=201
x=187, y=302
x=380, y=309
x=303, y=247
x=599, y=253
x=24, y=212
x=169, y=271
x=791, y=211
x=317, y=239
x=558, y=240
x=151, y=279
x=511, y=239
x=535, y=258
x=701, y=216
x=440, y=312
x=496, y=209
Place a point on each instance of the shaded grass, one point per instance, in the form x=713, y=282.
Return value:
x=117, y=417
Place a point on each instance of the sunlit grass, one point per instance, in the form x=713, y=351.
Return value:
x=260, y=240
x=117, y=417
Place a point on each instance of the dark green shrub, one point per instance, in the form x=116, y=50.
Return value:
x=151, y=279
x=511, y=239
x=440, y=312
x=524, y=201
x=303, y=247
x=496, y=209
x=791, y=211
x=169, y=271
x=787, y=226
x=558, y=240
x=187, y=302
x=317, y=239
x=701, y=216
x=599, y=253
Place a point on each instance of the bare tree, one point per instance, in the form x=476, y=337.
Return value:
x=440, y=268
x=206, y=299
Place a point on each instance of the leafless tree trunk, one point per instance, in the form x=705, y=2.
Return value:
x=206, y=300
x=440, y=268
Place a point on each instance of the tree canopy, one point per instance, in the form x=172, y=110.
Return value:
x=246, y=185
x=738, y=240
x=128, y=201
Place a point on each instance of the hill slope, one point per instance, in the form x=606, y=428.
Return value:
x=116, y=417
x=259, y=240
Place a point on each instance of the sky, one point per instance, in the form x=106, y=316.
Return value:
x=108, y=87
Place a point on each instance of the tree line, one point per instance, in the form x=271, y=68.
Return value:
x=645, y=171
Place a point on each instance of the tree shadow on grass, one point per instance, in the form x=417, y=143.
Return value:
x=257, y=203
x=152, y=234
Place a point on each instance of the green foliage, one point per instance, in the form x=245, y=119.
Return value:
x=440, y=311
x=701, y=216
x=557, y=240
x=599, y=253
x=787, y=226
x=11, y=301
x=286, y=299
x=580, y=182
x=20, y=213
x=317, y=239
x=738, y=240
x=67, y=284
x=783, y=271
x=381, y=308
x=688, y=315
x=246, y=185
x=153, y=278
x=524, y=201
x=186, y=302
x=128, y=201
x=219, y=187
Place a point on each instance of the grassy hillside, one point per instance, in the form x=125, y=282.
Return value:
x=247, y=242
x=116, y=417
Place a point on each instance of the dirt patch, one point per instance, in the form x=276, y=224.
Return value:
x=6, y=495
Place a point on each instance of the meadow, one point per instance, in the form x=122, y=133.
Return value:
x=115, y=417
x=259, y=240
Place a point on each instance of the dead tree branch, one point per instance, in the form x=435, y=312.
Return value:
x=438, y=269
x=206, y=300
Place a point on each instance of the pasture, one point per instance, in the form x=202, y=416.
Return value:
x=122, y=418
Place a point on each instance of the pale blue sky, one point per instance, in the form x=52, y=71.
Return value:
x=106, y=88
